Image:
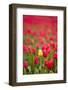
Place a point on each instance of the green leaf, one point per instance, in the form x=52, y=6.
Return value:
x=24, y=71
x=36, y=71
x=50, y=55
x=45, y=71
x=51, y=71
x=29, y=69
x=40, y=67
x=55, y=66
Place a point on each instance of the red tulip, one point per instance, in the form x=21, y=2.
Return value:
x=42, y=33
x=45, y=62
x=25, y=64
x=36, y=60
x=25, y=48
x=45, y=53
x=55, y=55
x=49, y=63
x=33, y=50
x=40, y=39
x=52, y=38
x=28, y=31
x=52, y=44
x=46, y=46
x=34, y=33
x=37, y=45
x=45, y=49
x=27, y=40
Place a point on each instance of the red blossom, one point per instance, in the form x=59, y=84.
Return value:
x=49, y=63
x=34, y=33
x=45, y=49
x=36, y=60
x=29, y=47
x=37, y=45
x=28, y=40
x=52, y=38
x=25, y=48
x=33, y=50
x=42, y=33
x=48, y=50
x=47, y=46
x=55, y=55
x=45, y=53
x=28, y=31
x=25, y=64
x=52, y=44
x=40, y=39
x=45, y=62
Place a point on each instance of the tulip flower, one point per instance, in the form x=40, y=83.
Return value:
x=45, y=53
x=37, y=45
x=52, y=44
x=36, y=60
x=46, y=49
x=52, y=38
x=46, y=46
x=25, y=48
x=28, y=31
x=25, y=64
x=45, y=62
x=34, y=33
x=49, y=63
x=40, y=53
x=33, y=50
x=55, y=55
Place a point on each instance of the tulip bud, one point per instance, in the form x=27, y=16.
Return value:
x=40, y=53
x=25, y=64
x=36, y=60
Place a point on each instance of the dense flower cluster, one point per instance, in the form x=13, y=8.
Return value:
x=40, y=45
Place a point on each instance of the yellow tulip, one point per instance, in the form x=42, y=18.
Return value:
x=40, y=53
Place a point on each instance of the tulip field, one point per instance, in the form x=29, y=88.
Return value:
x=39, y=44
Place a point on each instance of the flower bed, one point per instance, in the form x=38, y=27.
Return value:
x=39, y=44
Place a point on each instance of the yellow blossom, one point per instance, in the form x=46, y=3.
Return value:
x=40, y=53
